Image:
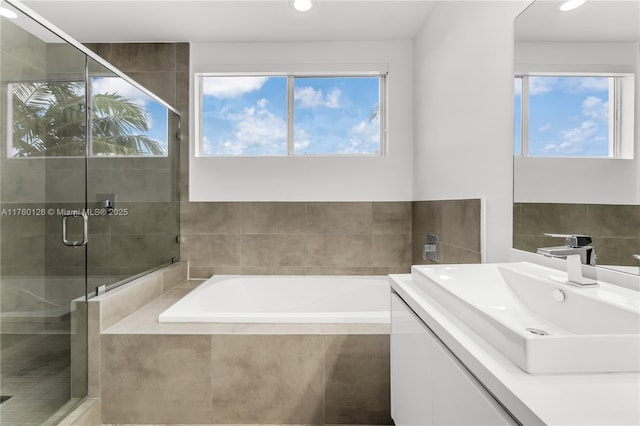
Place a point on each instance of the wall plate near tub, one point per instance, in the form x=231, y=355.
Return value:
x=431, y=248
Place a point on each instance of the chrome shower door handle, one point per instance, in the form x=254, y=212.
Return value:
x=85, y=228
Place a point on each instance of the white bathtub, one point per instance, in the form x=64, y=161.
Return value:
x=285, y=299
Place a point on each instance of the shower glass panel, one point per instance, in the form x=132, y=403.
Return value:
x=89, y=180
x=131, y=182
x=42, y=185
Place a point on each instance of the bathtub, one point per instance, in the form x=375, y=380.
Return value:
x=284, y=299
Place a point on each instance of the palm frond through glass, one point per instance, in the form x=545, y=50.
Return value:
x=49, y=120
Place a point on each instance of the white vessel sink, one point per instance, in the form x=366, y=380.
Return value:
x=533, y=317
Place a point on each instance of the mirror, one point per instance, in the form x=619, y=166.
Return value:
x=576, y=139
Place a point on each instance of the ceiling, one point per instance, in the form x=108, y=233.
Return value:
x=603, y=20
x=233, y=20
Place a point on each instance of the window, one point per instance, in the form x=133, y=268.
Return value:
x=279, y=115
x=568, y=116
x=48, y=119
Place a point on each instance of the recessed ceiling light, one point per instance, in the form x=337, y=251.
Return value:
x=302, y=5
x=7, y=13
x=570, y=5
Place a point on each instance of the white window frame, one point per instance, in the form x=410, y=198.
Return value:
x=621, y=104
x=291, y=76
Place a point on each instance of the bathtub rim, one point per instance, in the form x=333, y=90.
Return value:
x=375, y=317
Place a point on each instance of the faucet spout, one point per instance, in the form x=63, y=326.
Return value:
x=574, y=272
x=574, y=244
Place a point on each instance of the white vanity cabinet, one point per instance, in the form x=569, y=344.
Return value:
x=429, y=386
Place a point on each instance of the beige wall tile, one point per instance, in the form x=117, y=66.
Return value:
x=339, y=218
x=123, y=301
x=93, y=343
x=206, y=272
x=101, y=49
x=79, y=348
x=456, y=222
x=391, y=250
x=616, y=251
x=540, y=218
x=386, y=270
x=211, y=250
x=160, y=83
x=461, y=223
x=273, y=379
x=339, y=270
x=133, y=254
x=210, y=218
x=339, y=250
x=274, y=218
x=273, y=250
x=452, y=254
x=135, y=57
x=145, y=218
x=174, y=275
x=273, y=270
x=615, y=228
x=613, y=221
x=357, y=376
x=391, y=218
x=182, y=57
x=156, y=378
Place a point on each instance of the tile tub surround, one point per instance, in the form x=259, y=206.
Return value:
x=615, y=228
x=113, y=306
x=242, y=373
x=456, y=222
x=296, y=238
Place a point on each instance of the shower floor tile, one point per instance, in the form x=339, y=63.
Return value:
x=36, y=374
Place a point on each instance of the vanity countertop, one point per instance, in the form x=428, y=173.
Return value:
x=553, y=399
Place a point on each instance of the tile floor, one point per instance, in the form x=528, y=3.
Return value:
x=36, y=374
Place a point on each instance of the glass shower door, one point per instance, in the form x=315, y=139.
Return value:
x=43, y=223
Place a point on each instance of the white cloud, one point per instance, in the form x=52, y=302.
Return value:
x=231, y=87
x=541, y=85
x=595, y=112
x=302, y=141
x=544, y=128
x=595, y=108
x=586, y=84
x=573, y=140
x=255, y=130
x=364, y=138
x=308, y=97
x=573, y=85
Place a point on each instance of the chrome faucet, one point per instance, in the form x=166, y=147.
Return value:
x=574, y=272
x=574, y=245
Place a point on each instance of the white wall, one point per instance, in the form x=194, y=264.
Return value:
x=379, y=178
x=579, y=180
x=463, y=106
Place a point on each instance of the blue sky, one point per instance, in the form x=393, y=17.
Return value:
x=568, y=116
x=248, y=115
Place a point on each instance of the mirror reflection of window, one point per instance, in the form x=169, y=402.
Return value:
x=566, y=116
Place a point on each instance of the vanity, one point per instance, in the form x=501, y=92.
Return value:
x=513, y=343
x=516, y=343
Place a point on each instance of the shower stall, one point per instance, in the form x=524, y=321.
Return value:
x=88, y=200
